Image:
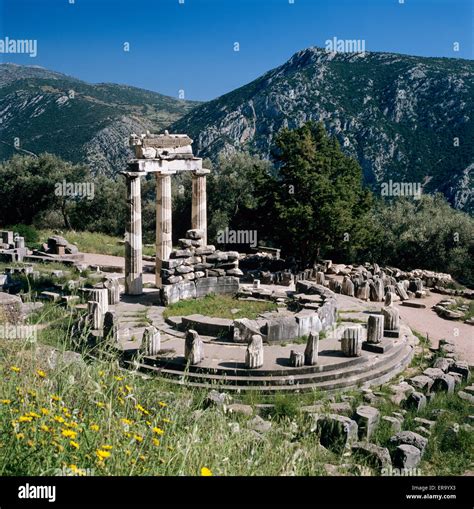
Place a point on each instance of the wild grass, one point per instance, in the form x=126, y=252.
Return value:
x=219, y=306
x=99, y=243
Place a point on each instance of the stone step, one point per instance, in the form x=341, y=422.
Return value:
x=380, y=373
x=365, y=362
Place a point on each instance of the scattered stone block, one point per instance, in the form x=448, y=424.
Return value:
x=259, y=425
x=406, y=456
x=443, y=364
x=375, y=326
x=421, y=382
x=367, y=419
x=336, y=431
x=239, y=408
x=444, y=382
x=394, y=423
x=462, y=368
x=377, y=457
x=409, y=438
x=416, y=401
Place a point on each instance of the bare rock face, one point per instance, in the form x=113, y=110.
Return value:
x=312, y=349
x=193, y=348
x=151, y=341
x=254, y=354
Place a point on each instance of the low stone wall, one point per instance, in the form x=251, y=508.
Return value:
x=287, y=327
x=225, y=285
x=196, y=270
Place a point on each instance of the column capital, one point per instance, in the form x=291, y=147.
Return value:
x=201, y=173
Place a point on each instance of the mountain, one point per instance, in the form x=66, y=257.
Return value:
x=51, y=112
x=405, y=118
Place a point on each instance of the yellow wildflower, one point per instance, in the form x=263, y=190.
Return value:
x=205, y=472
x=100, y=404
x=138, y=438
x=44, y=411
x=126, y=421
x=33, y=394
x=59, y=418
x=74, y=444
x=101, y=373
x=20, y=436
x=166, y=420
x=102, y=454
x=34, y=414
x=162, y=404
x=158, y=431
x=156, y=442
x=68, y=433
x=15, y=369
x=106, y=447
x=94, y=427
x=129, y=389
x=25, y=418
x=44, y=427
x=30, y=443
x=54, y=397
x=118, y=378
x=141, y=409
x=41, y=373
x=5, y=401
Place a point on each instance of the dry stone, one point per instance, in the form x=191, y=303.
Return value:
x=151, y=341
x=375, y=329
x=406, y=456
x=367, y=419
x=336, y=431
x=254, y=354
x=296, y=359
x=312, y=349
x=193, y=348
x=351, y=341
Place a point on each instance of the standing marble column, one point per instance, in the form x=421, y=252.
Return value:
x=133, y=237
x=164, y=243
x=199, y=203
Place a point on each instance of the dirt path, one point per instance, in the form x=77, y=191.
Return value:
x=426, y=321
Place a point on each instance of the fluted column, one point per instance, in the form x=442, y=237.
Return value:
x=199, y=203
x=164, y=243
x=133, y=237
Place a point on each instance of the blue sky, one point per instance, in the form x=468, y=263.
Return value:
x=190, y=46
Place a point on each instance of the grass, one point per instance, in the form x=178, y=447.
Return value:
x=99, y=243
x=219, y=306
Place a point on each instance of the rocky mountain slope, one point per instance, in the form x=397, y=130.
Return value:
x=45, y=111
x=405, y=118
